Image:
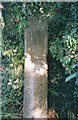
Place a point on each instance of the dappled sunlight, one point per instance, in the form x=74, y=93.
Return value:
x=39, y=69
x=52, y=114
x=47, y=33
x=29, y=65
x=38, y=113
x=17, y=70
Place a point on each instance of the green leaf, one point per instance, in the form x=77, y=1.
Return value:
x=75, y=65
x=71, y=77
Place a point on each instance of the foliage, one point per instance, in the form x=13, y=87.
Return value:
x=64, y=45
x=15, y=18
x=70, y=115
x=74, y=75
x=61, y=96
x=63, y=34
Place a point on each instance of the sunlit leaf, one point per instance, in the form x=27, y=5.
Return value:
x=71, y=77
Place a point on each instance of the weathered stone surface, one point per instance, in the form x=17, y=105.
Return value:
x=35, y=73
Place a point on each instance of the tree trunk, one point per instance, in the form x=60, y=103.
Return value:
x=35, y=72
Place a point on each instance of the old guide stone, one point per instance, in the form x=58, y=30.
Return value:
x=35, y=72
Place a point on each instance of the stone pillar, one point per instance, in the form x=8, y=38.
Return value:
x=35, y=71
